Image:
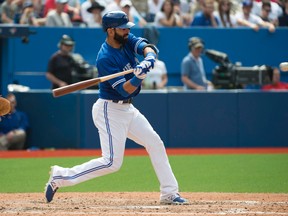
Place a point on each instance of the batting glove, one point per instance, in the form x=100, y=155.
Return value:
x=141, y=71
x=150, y=60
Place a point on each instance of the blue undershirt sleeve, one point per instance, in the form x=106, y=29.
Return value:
x=121, y=90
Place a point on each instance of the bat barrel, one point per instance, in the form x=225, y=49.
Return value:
x=74, y=87
x=85, y=84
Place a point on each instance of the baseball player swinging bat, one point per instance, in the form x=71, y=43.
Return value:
x=87, y=83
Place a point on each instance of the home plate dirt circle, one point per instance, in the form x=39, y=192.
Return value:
x=142, y=203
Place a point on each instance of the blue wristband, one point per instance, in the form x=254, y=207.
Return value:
x=135, y=81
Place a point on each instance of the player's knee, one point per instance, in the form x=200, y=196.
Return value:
x=115, y=167
x=113, y=164
x=158, y=145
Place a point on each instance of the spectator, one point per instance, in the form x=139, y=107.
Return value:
x=265, y=12
x=283, y=19
x=126, y=7
x=96, y=10
x=62, y=64
x=57, y=17
x=274, y=13
x=154, y=6
x=86, y=16
x=236, y=6
x=28, y=16
x=224, y=14
x=39, y=11
x=276, y=83
x=205, y=17
x=157, y=77
x=73, y=12
x=182, y=8
x=168, y=17
x=50, y=5
x=20, y=6
x=196, y=7
x=246, y=18
x=13, y=127
x=8, y=11
x=114, y=5
x=192, y=69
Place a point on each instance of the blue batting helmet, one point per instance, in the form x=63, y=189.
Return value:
x=116, y=19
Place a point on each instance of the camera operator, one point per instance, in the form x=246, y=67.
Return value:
x=64, y=66
x=193, y=73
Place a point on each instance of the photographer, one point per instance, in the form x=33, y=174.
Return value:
x=65, y=67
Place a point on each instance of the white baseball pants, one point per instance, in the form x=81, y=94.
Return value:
x=116, y=122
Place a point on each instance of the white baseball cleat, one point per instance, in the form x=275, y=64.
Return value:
x=174, y=200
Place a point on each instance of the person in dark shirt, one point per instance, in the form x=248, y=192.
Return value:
x=13, y=127
x=283, y=20
x=62, y=64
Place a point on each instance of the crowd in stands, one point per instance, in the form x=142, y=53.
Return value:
x=254, y=14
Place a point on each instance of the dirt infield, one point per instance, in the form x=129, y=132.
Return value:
x=144, y=204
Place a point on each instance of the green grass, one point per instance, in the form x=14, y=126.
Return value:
x=201, y=173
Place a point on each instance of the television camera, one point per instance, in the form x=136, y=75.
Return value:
x=82, y=70
x=227, y=75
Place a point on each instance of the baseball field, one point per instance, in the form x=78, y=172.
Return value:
x=216, y=181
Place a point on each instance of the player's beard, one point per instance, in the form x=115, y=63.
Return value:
x=120, y=39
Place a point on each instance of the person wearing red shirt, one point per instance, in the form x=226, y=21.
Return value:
x=276, y=83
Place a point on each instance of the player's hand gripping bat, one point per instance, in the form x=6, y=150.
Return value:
x=86, y=83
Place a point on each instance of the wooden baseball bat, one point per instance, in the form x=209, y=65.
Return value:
x=86, y=83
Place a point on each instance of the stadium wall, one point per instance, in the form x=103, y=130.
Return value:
x=225, y=118
x=228, y=118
